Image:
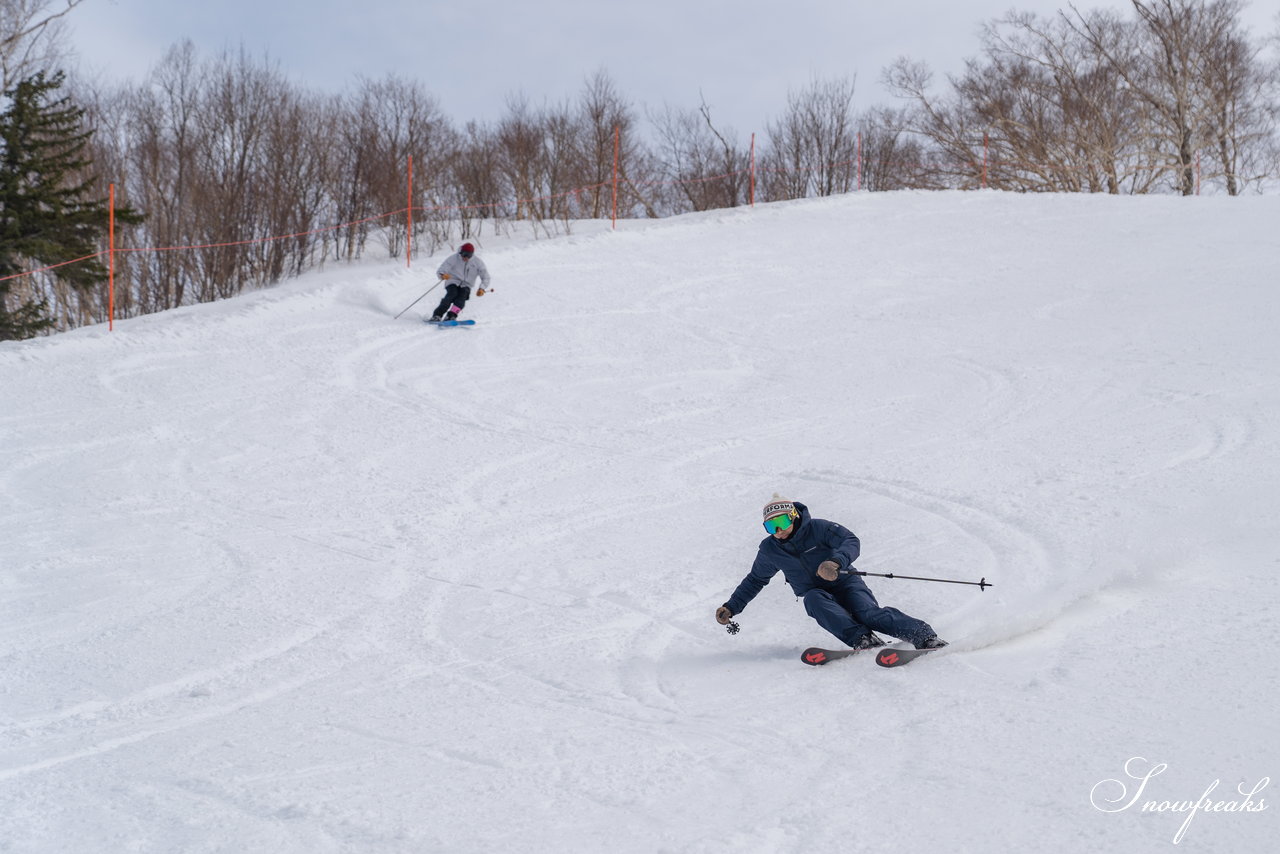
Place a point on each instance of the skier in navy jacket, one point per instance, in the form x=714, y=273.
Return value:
x=811, y=554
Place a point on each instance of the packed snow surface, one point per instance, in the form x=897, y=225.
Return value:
x=285, y=574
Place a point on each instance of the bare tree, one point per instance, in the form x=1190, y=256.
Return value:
x=160, y=152
x=608, y=117
x=1091, y=102
x=562, y=150
x=242, y=97
x=1057, y=114
x=1239, y=119
x=293, y=180
x=813, y=146
x=706, y=167
x=475, y=187
x=953, y=133
x=32, y=37
x=1163, y=60
x=891, y=158
x=522, y=157
x=384, y=123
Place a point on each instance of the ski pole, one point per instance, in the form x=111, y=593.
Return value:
x=419, y=299
x=981, y=585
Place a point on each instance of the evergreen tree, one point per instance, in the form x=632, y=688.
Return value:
x=48, y=214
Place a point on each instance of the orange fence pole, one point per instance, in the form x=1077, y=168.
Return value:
x=111, y=259
x=617, y=137
x=985, y=145
x=408, y=234
x=859, y=160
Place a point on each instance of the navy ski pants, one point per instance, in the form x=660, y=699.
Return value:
x=850, y=610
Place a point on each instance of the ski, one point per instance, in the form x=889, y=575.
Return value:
x=817, y=655
x=899, y=657
x=452, y=322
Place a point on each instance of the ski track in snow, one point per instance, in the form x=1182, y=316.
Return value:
x=283, y=572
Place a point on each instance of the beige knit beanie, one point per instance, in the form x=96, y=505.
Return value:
x=779, y=506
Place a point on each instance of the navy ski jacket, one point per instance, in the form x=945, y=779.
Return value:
x=798, y=557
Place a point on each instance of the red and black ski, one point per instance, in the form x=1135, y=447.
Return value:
x=899, y=657
x=817, y=655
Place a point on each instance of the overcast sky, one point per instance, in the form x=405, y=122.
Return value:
x=741, y=55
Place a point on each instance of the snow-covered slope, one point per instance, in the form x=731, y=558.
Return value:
x=283, y=574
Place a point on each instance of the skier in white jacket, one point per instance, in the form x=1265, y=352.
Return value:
x=459, y=272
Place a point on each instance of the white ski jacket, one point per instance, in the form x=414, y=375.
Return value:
x=462, y=271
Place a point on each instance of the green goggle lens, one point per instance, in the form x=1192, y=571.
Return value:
x=777, y=523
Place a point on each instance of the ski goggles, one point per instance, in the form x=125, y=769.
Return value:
x=777, y=523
